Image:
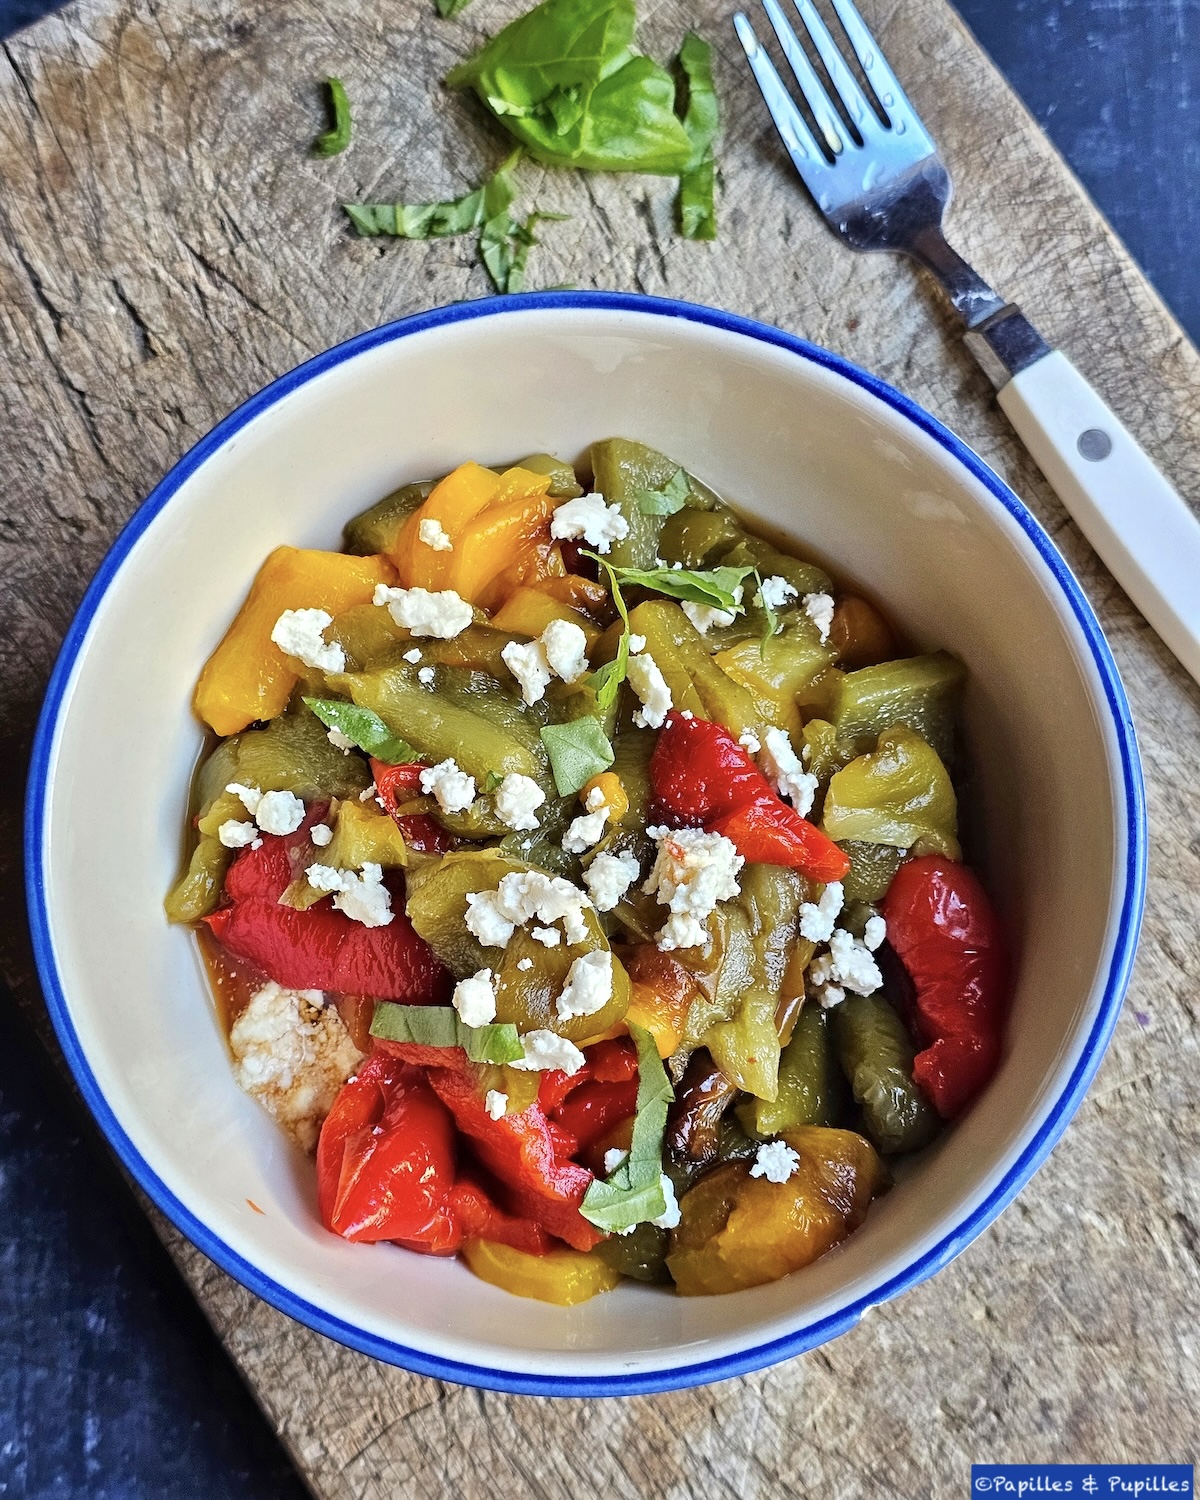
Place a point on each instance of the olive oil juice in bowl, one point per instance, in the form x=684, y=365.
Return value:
x=662, y=692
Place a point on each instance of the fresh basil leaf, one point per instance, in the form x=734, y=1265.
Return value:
x=697, y=214
x=606, y=681
x=448, y=9
x=440, y=1026
x=716, y=587
x=578, y=750
x=504, y=245
x=491, y=782
x=633, y=1193
x=424, y=221
x=366, y=729
x=334, y=140
x=665, y=502
x=771, y=626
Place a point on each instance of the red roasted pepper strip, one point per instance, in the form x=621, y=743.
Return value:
x=703, y=778
x=385, y=1161
x=519, y=1150
x=593, y=1110
x=395, y=785
x=480, y=1217
x=945, y=933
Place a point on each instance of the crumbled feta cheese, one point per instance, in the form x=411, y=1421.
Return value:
x=608, y=877
x=749, y=742
x=705, y=616
x=849, y=965
x=425, y=676
x=651, y=687
x=687, y=714
x=783, y=770
x=524, y=895
x=546, y=1049
x=413, y=656
x=585, y=830
x=362, y=896
x=300, y=633
x=475, y=999
x=321, y=834
x=549, y=937
x=692, y=872
x=529, y=666
x=636, y=643
x=590, y=518
x=565, y=646
x=370, y=792
x=874, y=932
x=292, y=1053
x=443, y=614
x=613, y=1158
x=595, y=799
x=817, y=918
x=485, y=921
x=433, y=534
x=776, y=592
x=340, y=741
x=670, y=1215
x=279, y=812
x=776, y=1161
x=495, y=1103
x=589, y=985
x=524, y=964
x=235, y=835
x=250, y=795
x=517, y=801
x=819, y=609
x=454, y=789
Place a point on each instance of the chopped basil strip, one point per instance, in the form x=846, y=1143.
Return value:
x=451, y=8
x=606, y=681
x=492, y=781
x=366, y=729
x=440, y=1026
x=697, y=215
x=424, y=221
x=665, y=502
x=578, y=750
x=335, y=140
x=505, y=243
x=633, y=1193
x=716, y=587
x=771, y=626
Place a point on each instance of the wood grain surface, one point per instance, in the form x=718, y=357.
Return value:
x=167, y=247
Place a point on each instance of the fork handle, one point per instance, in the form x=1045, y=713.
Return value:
x=1134, y=518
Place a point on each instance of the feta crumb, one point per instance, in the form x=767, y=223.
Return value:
x=371, y=791
x=413, y=656
x=817, y=918
x=485, y=921
x=524, y=964
x=321, y=834
x=292, y=1053
x=434, y=535
x=608, y=877
x=819, y=609
x=565, y=646
x=340, y=741
x=549, y=937
x=776, y=592
x=425, y=676
x=589, y=985
x=279, y=812
x=595, y=799
x=250, y=795
x=496, y=1103
x=874, y=932
x=235, y=835
x=830, y=995
x=523, y=895
x=546, y=1049
x=590, y=518
x=776, y=1161
x=783, y=770
x=529, y=666
x=362, y=896
x=475, y=999
x=687, y=714
x=670, y=1215
x=849, y=965
x=692, y=872
x=585, y=830
x=444, y=615
x=651, y=687
x=636, y=643
x=749, y=742
x=454, y=789
x=517, y=801
x=613, y=1158
x=301, y=633
x=705, y=616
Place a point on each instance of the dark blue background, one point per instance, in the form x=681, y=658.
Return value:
x=112, y=1386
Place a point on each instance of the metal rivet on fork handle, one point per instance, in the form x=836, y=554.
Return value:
x=1094, y=444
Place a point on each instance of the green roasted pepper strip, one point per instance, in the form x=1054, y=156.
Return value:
x=876, y=1055
x=378, y=528
x=695, y=680
x=812, y=1090
x=919, y=692
x=621, y=470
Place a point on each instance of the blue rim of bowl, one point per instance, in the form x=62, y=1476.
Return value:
x=800, y=1340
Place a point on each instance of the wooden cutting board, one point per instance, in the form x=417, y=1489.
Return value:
x=169, y=247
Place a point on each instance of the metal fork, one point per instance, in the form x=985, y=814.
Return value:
x=875, y=174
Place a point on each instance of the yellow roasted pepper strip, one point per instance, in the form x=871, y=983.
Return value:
x=494, y=541
x=529, y=611
x=563, y=1277
x=453, y=504
x=248, y=677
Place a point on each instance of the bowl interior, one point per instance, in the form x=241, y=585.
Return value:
x=792, y=441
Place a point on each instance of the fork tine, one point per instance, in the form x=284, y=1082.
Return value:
x=892, y=98
x=801, y=144
x=824, y=111
x=858, y=106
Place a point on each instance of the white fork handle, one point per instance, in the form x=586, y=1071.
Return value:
x=1133, y=517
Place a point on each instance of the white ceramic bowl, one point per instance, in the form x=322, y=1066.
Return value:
x=799, y=438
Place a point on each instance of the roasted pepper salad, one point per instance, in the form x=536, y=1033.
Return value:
x=579, y=877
